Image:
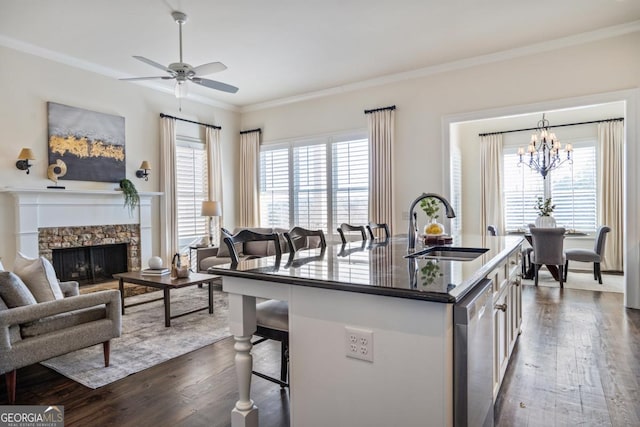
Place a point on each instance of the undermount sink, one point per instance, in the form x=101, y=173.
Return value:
x=449, y=253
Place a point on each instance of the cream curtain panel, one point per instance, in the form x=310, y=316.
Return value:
x=249, y=170
x=168, y=220
x=611, y=185
x=214, y=165
x=491, y=212
x=381, y=125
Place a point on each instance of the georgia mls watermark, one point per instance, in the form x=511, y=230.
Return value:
x=31, y=416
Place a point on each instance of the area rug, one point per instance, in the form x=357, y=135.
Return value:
x=581, y=281
x=145, y=341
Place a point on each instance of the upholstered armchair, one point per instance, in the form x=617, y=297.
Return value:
x=31, y=331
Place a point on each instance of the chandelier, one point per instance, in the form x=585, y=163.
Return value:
x=544, y=150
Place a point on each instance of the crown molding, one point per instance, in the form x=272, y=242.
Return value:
x=71, y=61
x=573, y=40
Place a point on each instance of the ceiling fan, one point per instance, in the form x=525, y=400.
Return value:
x=183, y=72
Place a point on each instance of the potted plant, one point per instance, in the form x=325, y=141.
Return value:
x=131, y=196
x=545, y=209
x=431, y=207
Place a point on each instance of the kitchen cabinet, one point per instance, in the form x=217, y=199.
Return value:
x=507, y=314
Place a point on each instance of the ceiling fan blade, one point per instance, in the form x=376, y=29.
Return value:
x=214, y=85
x=210, y=68
x=149, y=78
x=153, y=63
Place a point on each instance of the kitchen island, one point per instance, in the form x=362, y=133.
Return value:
x=404, y=305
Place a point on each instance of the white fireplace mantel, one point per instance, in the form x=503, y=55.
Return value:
x=41, y=208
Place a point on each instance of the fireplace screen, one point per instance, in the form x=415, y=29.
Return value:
x=90, y=264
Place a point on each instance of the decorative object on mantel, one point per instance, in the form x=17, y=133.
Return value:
x=92, y=144
x=23, y=159
x=143, y=172
x=55, y=171
x=545, y=209
x=131, y=196
x=544, y=150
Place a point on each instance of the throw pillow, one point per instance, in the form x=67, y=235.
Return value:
x=13, y=291
x=39, y=276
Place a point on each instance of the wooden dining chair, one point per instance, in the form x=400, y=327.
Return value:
x=299, y=238
x=272, y=316
x=348, y=228
x=373, y=226
x=548, y=249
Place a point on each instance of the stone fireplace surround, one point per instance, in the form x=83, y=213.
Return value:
x=51, y=238
x=50, y=214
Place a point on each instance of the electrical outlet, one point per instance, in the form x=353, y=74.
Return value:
x=358, y=343
x=405, y=215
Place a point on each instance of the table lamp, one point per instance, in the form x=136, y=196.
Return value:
x=211, y=209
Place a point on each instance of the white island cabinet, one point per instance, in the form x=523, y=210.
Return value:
x=404, y=307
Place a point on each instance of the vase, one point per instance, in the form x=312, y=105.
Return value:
x=434, y=228
x=545, y=221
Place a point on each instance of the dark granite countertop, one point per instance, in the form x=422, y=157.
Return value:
x=381, y=268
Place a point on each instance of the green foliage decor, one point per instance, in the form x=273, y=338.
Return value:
x=544, y=207
x=131, y=196
x=430, y=206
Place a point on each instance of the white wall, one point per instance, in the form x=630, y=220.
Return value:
x=28, y=82
x=425, y=105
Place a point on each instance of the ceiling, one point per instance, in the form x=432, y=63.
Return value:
x=291, y=49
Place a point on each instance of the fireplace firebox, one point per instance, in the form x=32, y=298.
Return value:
x=90, y=264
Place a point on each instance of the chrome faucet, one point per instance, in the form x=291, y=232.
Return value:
x=412, y=218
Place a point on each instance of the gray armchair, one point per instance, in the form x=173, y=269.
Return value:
x=33, y=333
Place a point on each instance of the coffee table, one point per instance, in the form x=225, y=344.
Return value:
x=166, y=283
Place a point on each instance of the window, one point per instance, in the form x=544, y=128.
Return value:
x=191, y=189
x=572, y=188
x=315, y=184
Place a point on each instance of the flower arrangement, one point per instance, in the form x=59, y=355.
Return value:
x=544, y=207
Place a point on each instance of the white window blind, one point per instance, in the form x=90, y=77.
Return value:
x=572, y=188
x=351, y=182
x=521, y=187
x=315, y=184
x=274, y=188
x=310, y=186
x=191, y=190
x=574, y=191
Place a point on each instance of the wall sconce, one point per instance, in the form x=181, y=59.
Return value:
x=143, y=172
x=211, y=209
x=23, y=159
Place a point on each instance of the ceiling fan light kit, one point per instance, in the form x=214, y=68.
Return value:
x=183, y=72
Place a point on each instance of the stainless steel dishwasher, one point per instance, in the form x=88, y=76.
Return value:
x=473, y=357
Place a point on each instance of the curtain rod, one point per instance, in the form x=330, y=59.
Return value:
x=392, y=107
x=189, y=121
x=554, y=126
x=242, y=132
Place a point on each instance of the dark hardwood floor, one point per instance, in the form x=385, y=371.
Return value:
x=576, y=363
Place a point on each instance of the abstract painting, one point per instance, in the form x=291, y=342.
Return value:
x=91, y=144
